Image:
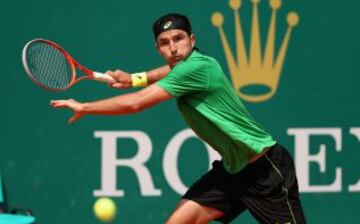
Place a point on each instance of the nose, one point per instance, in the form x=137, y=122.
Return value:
x=173, y=48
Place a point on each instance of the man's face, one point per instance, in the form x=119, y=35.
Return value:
x=175, y=45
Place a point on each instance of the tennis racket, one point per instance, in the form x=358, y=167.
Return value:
x=53, y=68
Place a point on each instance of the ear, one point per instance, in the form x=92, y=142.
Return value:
x=192, y=40
x=157, y=47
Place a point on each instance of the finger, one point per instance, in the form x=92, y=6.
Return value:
x=74, y=118
x=117, y=85
x=113, y=75
x=58, y=103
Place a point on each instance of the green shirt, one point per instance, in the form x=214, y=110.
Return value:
x=213, y=110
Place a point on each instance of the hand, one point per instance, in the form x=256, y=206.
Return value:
x=71, y=104
x=123, y=79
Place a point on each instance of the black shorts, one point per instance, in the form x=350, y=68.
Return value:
x=267, y=187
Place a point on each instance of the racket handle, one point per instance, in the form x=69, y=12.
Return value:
x=103, y=77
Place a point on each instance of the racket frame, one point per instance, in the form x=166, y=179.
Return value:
x=71, y=62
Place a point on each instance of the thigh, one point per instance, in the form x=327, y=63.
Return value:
x=215, y=190
x=273, y=197
x=188, y=211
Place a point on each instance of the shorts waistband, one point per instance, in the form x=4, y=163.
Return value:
x=263, y=153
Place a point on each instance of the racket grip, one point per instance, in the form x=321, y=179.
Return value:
x=103, y=77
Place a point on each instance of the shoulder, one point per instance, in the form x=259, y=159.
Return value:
x=198, y=57
x=195, y=62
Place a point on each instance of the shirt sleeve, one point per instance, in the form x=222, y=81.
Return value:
x=185, y=78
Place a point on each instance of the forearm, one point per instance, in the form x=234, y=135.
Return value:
x=157, y=73
x=126, y=80
x=128, y=103
x=125, y=104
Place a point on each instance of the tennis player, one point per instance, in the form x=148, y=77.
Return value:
x=255, y=173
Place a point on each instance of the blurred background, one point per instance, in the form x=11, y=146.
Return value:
x=59, y=170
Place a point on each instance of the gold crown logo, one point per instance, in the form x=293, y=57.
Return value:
x=255, y=70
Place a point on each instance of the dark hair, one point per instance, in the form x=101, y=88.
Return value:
x=169, y=22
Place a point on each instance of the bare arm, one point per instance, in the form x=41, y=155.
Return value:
x=123, y=104
x=157, y=73
x=124, y=80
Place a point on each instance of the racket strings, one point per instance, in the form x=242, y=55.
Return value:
x=48, y=66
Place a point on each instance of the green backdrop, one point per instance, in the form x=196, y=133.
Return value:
x=55, y=169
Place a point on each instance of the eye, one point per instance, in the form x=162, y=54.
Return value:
x=163, y=43
x=178, y=38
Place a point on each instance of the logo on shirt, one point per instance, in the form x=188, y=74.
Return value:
x=255, y=73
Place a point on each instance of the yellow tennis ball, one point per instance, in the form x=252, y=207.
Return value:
x=105, y=209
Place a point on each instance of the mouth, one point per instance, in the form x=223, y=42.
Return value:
x=176, y=59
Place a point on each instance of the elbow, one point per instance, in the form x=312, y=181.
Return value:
x=134, y=107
